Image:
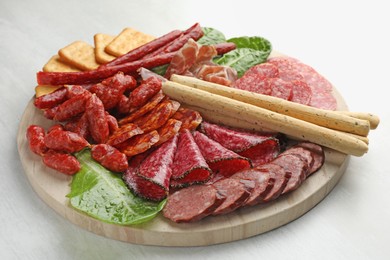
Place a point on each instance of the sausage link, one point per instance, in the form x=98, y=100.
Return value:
x=142, y=94
x=52, y=99
x=62, y=162
x=110, y=157
x=65, y=141
x=35, y=137
x=97, y=120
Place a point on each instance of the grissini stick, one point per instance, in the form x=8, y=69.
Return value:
x=219, y=118
x=265, y=118
x=326, y=118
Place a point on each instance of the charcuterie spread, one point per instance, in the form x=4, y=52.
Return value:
x=188, y=125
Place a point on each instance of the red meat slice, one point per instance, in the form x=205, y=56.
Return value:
x=183, y=59
x=236, y=192
x=192, y=203
x=189, y=166
x=296, y=166
x=264, y=70
x=150, y=179
x=221, y=160
x=263, y=184
x=317, y=153
x=281, y=178
x=301, y=92
x=303, y=153
x=292, y=69
x=190, y=119
x=259, y=149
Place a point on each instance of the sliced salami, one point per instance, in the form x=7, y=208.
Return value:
x=258, y=148
x=192, y=203
x=281, y=178
x=301, y=92
x=263, y=184
x=190, y=119
x=168, y=130
x=221, y=160
x=124, y=133
x=152, y=103
x=138, y=144
x=302, y=152
x=296, y=166
x=158, y=116
x=189, y=166
x=317, y=153
x=280, y=88
x=150, y=179
x=292, y=69
x=236, y=192
x=264, y=70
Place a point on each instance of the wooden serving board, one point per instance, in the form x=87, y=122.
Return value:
x=52, y=187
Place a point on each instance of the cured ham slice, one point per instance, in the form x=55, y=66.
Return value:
x=189, y=166
x=221, y=160
x=150, y=179
x=259, y=149
x=183, y=59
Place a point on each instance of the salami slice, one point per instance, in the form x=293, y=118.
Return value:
x=152, y=103
x=264, y=70
x=317, y=153
x=236, y=192
x=292, y=69
x=301, y=92
x=258, y=148
x=280, y=88
x=138, y=144
x=124, y=133
x=150, y=179
x=158, y=116
x=189, y=166
x=281, y=178
x=263, y=184
x=192, y=203
x=303, y=153
x=168, y=130
x=296, y=166
x=221, y=160
x=190, y=119
x=111, y=89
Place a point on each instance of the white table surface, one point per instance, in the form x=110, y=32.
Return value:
x=347, y=41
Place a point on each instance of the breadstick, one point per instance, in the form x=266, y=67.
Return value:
x=265, y=118
x=326, y=118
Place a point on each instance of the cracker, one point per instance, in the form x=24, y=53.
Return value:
x=41, y=90
x=101, y=41
x=79, y=54
x=56, y=64
x=126, y=41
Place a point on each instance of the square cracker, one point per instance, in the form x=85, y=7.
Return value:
x=79, y=54
x=101, y=41
x=55, y=64
x=126, y=41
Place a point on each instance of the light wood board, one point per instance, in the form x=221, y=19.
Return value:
x=52, y=188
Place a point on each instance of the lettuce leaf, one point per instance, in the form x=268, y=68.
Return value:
x=211, y=36
x=250, y=52
x=103, y=195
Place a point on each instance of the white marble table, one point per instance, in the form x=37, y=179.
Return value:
x=346, y=42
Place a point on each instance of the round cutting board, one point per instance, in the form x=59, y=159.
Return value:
x=52, y=187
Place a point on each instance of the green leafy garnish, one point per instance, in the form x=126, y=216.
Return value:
x=250, y=52
x=211, y=36
x=102, y=194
